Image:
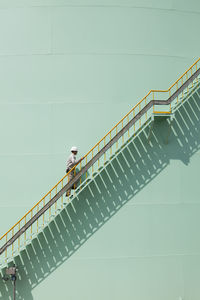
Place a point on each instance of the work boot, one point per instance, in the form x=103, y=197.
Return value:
x=68, y=193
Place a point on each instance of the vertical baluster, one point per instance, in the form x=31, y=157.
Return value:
x=140, y=116
x=117, y=139
x=74, y=182
x=92, y=163
x=37, y=218
x=62, y=195
x=182, y=90
x=196, y=70
x=25, y=232
x=177, y=90
x=134, y=122
x=50, y=206
x=111, y=146
x=31, y=224
x=186, y=80
x=86, y=171
x=145, y=105
x=19, y=237
x=123, y=134
x=98, y=159
x=68, y=182
x=191, y=75
x=128, y=129
x=12, y=242
x=80, y=170
x=43, y=213
x=6, y=252
x=153, y=103
x=56, y=201
x=104, y=143
x=169, y=97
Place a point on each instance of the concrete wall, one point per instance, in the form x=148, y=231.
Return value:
x=69, y=70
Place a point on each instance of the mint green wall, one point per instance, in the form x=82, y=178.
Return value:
x=69, y=70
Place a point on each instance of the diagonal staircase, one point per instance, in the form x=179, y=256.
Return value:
x=141, y=117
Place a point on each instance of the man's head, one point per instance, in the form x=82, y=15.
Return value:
x=74, y=150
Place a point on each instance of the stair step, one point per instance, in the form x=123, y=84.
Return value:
x=112, y=156
x=100, y=168
x=95, y=173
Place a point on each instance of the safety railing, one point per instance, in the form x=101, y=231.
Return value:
x=153, y=95
x=166, y=94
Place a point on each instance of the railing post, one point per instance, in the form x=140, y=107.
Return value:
x=50, y=206
x=31, y=224
x=123, y=134
x=37, y=219
x=98, y=159
x=182, y=90
x=117, y=140
x=111, y=146
x=43, y=213
x=92, y=164
x=19, y=237
x=104, y=142
x=86, y=164
x=25, y=232
x=139, y=112
x=12, y=243
x=196, y=70
x=153, y=103
x=145, y=105
x=128, y=129
x=6, y=252
x=80, y=170
x=74, y=183
x=56, y=201
x=177, y=89
x=62, y=195
x=191, y=75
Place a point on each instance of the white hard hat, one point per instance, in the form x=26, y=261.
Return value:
x=74, y=148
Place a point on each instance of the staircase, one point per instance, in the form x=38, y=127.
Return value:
x=141, y=117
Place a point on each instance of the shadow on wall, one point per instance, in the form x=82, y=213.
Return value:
x=138, y=164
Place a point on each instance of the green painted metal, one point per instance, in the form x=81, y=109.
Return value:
x=123, y=179
x=68, y=61
x=119, y=141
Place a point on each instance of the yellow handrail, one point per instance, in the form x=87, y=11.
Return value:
x=97, y=144
x=158, y=91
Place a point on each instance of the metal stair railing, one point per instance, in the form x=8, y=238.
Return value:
x=41, y=214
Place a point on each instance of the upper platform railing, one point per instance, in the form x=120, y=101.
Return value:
x=41, y=213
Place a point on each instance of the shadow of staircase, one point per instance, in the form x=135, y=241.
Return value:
x=125, y=176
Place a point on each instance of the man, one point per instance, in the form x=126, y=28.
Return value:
x=71, y=162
